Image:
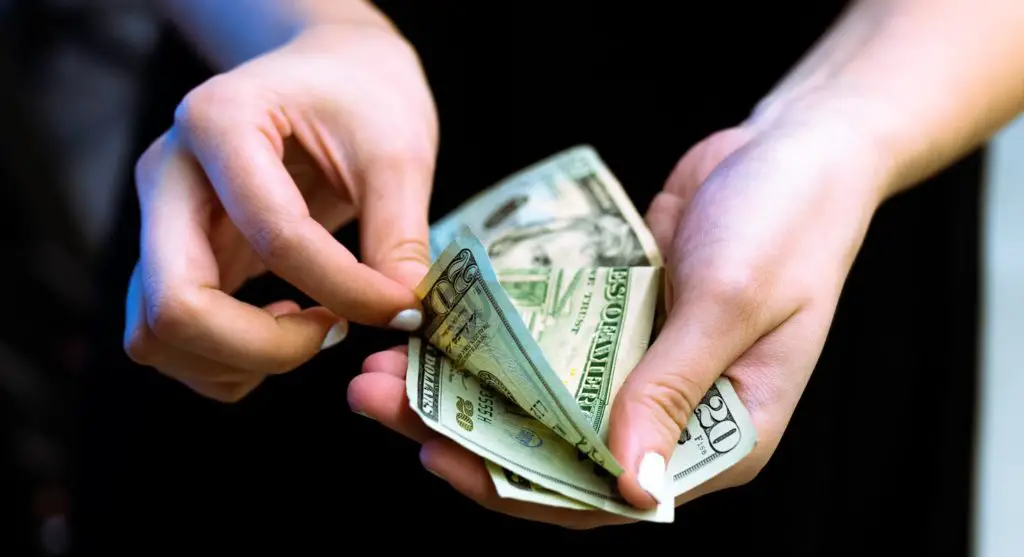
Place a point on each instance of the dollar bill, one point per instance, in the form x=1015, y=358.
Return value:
x=717, y=436
x=571, y=266
x=469, y=317
x=594, y=326
x=510, y=485
x=456, y=404
x=568, y=210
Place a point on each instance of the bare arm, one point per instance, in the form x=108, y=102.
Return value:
x=229, y=33
x=923, y=81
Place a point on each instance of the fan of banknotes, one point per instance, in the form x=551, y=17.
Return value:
x=541, y=299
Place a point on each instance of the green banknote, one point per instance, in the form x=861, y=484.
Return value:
x=568, y=210
x=469, y=317
x=541, y=300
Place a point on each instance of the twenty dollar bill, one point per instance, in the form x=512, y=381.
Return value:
x=541, y=300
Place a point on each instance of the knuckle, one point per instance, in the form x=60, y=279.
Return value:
x=147, y=163
x=274, y=242
x=234, y=394
x=140, y=345
x=672, y=399
x=734, y=288
x=747, y=474
x=406, y=250
x=207, y=102
x=281, y=363
x=228, y=393
x=168, y=314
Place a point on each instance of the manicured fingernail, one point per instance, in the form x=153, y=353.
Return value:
x=651, y=476
x=337, y=334
x=407, y=320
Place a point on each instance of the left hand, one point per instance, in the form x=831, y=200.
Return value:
x=759, y=228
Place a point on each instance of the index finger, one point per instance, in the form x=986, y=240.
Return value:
x=238, y=139
x=178, y=272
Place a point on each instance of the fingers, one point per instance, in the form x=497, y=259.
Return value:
x=180, y=280
x=394, y=221
x=467, y=473
x=379, y=393
x=391, y=361
x=228, y=392
x=708, y=329
x=209, y=378
x=237, y=137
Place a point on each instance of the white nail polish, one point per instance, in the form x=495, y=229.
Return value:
x=337, y=334
x=651, y=476
x=407, y=320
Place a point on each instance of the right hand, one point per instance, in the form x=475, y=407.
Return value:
x=261, y=165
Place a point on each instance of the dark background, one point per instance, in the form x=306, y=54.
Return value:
x=876, y=459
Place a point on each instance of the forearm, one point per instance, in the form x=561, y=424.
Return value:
x=228, y=33
x=923, y=81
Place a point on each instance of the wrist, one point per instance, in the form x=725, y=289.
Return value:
x=329, y=14
x=227, y=36
x=322, y=31
x=849, y=130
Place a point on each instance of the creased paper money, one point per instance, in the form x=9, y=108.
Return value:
x=540, y=301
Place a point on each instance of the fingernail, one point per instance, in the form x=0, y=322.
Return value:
x=336, y=334
x=651, y=476
x=367, y=416
x=407, y=320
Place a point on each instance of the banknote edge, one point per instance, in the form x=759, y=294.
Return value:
x=489, y=282
x=691, y=477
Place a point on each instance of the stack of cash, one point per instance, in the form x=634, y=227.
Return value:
x=542, y=298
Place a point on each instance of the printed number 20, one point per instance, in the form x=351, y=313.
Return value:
x=722, y=432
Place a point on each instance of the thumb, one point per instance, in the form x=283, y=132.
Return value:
x=394, y=225
x=701, y=338
x=313, y=329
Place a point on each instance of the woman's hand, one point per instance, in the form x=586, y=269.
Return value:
x=759, y=228
x=262, y=164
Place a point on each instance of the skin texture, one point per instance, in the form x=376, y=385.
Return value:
x=760, y=224
x=329, y=119
x=262, y=164
x=756, y=268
